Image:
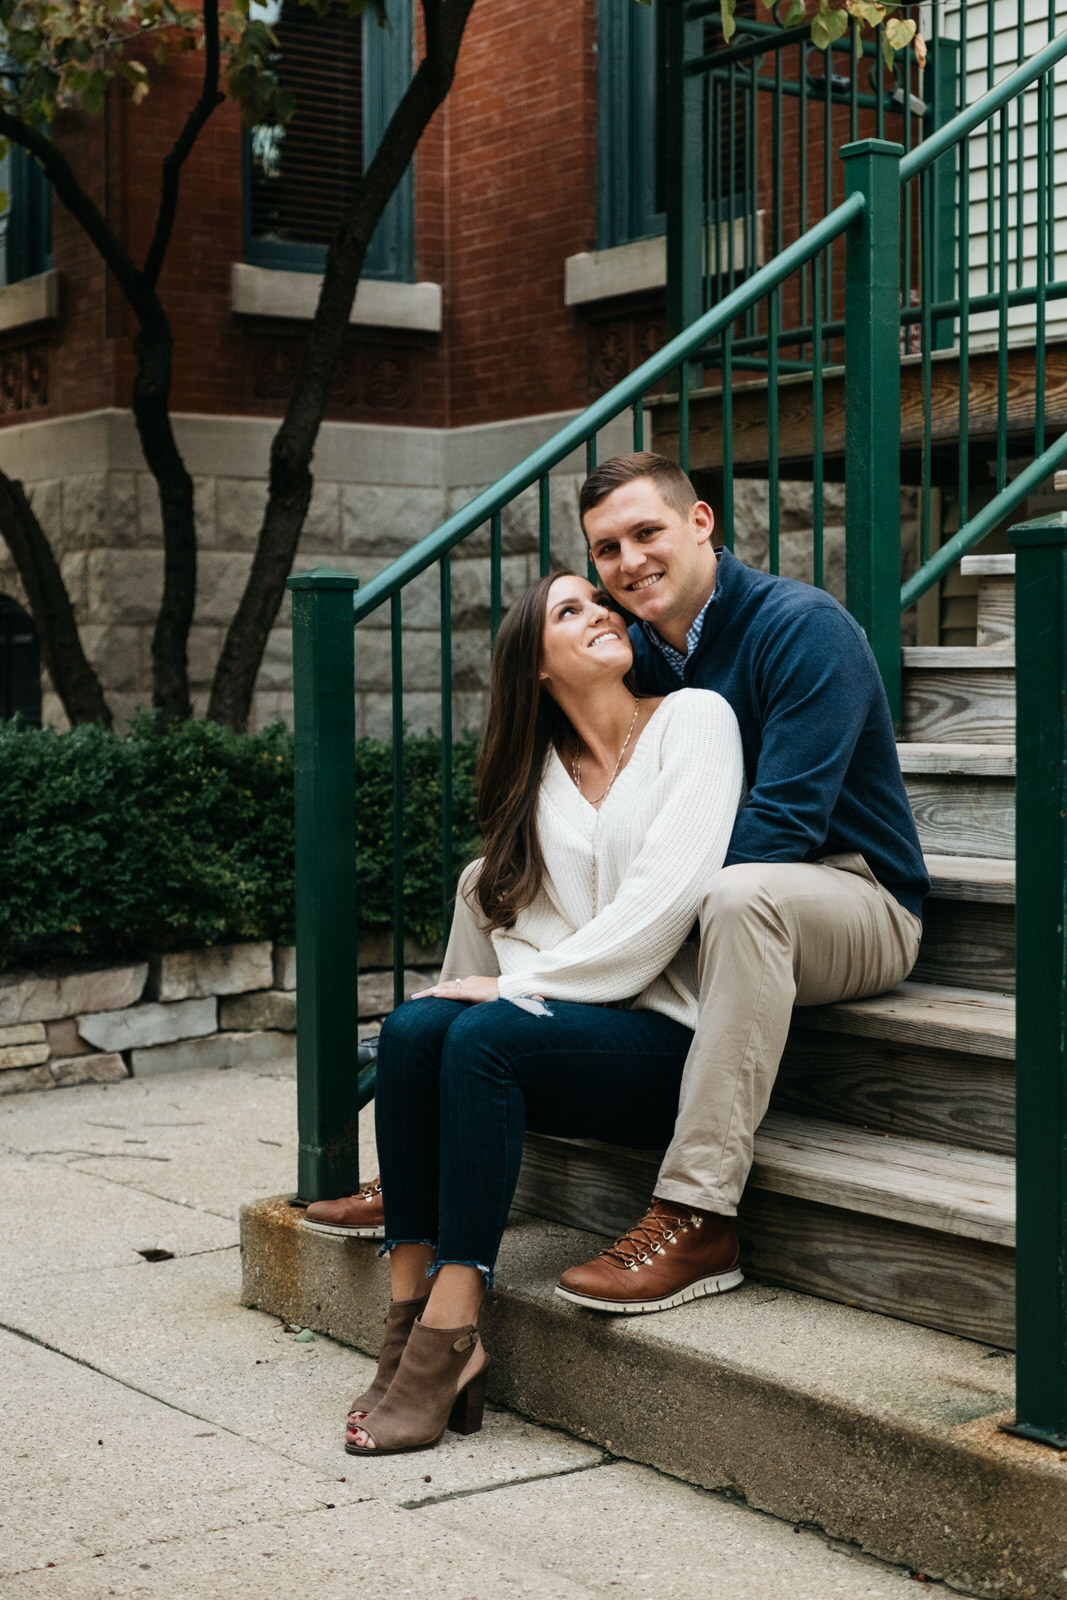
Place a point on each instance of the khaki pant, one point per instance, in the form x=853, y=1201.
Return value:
x=772, y=935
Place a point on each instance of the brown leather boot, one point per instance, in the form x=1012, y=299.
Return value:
x=399, y=1320
x=439, y=1383
x=354, y=1216
x=674, y=1254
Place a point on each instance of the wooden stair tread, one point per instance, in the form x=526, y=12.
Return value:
x=914, y=1181
x=969, y=657
x=969, y=1020
x=957, y=760
x=981, y=878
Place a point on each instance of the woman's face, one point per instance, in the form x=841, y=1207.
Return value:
x=584, y=640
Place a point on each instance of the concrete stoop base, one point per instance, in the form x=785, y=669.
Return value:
x=872, y=1430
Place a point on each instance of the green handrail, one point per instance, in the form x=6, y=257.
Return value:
x=626, y=393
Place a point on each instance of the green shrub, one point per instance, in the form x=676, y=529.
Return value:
x=184, y=838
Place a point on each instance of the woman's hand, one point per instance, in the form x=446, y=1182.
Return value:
x=472, y=990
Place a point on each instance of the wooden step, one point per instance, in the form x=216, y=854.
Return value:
x=960, y=694
x=996, y=596
x=920, y=1230
x=962, y=797
x=969, y=924
x=969, y=1020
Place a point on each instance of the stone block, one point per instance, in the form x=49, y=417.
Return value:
x=149, y=516
x=422, y=714
x=285, y=966
x=322, y=525
x=21, y=1080
x=23, y=1033
x=376, y=990
x=379, y=519
x=122, y=519
x=217, y=1052
x=224, y=969
x=422, y=659
x=69, y=1070
x=273, y=1009
x=221, y=577
x=204, y=647
x=120, y=654
x=65, y=1040
x=204, y=512
x=74, y=570
x=150, y=1024
x=376, y=950
x=85, y=511
x=124, y=586
x=276, y=667
x=45, y=997
x=46, y=498
x=270, y=706
x=239, y=506
x=22, y=1055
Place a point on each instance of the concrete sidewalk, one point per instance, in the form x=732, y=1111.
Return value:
x=162, y=1442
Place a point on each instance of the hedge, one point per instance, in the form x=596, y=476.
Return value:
x=176, y=839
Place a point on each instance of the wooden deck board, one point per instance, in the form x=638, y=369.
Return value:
x=970, y=1020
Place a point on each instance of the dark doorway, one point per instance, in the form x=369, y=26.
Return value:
x=20, y=664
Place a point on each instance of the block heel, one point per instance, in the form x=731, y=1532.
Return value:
x=466, y=1414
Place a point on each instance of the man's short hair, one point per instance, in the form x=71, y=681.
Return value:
x=674, y=487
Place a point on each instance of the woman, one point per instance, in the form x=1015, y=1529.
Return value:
x=602, y=815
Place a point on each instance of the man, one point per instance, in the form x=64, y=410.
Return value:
x=821, y=894
x=823, y=886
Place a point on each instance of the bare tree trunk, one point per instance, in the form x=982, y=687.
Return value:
x=73, y=679
x=294, y=443
x=151, y=410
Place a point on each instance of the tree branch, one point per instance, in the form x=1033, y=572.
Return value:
x=73, y=679
x=210, y=98
x=82, y=208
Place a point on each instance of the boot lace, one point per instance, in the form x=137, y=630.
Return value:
x=658, y=1228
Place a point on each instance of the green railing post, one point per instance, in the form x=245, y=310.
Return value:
x=1041, y=961
x=942, y=89
x=684, y=170
x=326, y=953
x=872, y=403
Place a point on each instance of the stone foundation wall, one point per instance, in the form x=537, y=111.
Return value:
x=214, y=1008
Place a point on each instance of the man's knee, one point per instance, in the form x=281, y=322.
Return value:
x=740, y=894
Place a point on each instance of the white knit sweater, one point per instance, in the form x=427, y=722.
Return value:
x=622, y=884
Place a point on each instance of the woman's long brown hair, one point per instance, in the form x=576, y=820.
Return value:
x=522, y=723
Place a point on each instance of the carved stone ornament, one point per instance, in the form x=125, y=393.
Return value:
x=368, y=377
x=24, y=378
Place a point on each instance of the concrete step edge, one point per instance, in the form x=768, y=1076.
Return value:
x=877, y=1431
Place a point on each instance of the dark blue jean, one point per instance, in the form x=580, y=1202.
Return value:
x=459, y=1084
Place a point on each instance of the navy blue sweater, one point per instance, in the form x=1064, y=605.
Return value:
x=820, y=756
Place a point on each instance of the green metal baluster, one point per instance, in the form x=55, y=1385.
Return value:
x=684, y=159
x=828, y=177
x=817, y=508
x=1041, y=262
x=639, y=424
x=964, y=279
x=1002, y=309
x=1020, y=155
x=396, y=637
x=447, y=864
x=990, y=164
x=731, y=197
x=752, y=165
x=773, y=487
x=942, y=74
x=872, y=404
x=853, y=83
x=926, y=327
x=776, y=142
x=880, y=128
x=683, y=416
x=728, y=435
x=326, y=947
x=802, y=78
x=1041, y=1001
x=495, y=598
x=544, y=522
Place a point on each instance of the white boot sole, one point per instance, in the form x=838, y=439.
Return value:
x=719, y=1284
x=341, y=1231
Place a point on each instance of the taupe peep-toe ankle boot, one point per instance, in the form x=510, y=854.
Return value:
x=439, y=1383
x=399, y=1320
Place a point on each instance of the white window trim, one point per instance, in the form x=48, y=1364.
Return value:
x=30, y=300
x=636, y=268
x=265, y=292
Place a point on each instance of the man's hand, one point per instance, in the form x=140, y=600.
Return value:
x=473, y=990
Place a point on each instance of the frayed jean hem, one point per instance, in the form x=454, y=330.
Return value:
x=391, y=1244
x=487, y=1272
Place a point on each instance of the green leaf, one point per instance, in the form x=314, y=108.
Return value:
x=900, y=31
x=796, y=14
x=729, y=26
x=827, y=26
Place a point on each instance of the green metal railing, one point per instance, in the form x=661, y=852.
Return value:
x=884, y=186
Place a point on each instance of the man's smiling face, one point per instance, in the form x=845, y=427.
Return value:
x=656, y=562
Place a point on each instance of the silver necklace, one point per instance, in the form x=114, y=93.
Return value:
x=576, y=760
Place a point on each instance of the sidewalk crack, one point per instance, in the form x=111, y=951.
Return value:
x=606, y=1460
